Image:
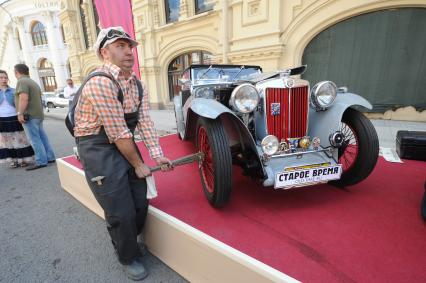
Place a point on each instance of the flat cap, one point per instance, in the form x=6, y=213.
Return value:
x=109, y=35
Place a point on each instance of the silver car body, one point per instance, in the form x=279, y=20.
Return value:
x=320, y=124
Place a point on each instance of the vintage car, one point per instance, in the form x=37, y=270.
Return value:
x=275, y=126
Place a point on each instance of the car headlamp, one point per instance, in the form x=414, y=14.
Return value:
x=244, y=98
x=270, y=144
x=204, y=92
x=323, y=95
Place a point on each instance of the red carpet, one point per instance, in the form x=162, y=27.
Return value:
x=371, y=232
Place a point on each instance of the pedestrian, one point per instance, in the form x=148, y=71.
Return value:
x=14, y=145
x=70, y=90
x=104, y=131
x=30, y=115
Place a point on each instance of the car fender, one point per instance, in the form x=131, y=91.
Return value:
x=208, y=108
x=323, y=123
x=200, y=107
x=235, y=129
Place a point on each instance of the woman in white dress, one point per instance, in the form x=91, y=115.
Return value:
x=15, y=148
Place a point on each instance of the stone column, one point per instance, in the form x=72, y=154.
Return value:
x=26, y=48
x=53, y=38
x=225, y=32
x=147, y=50
x=183, y=10
x=90, y=22
x=13, y=41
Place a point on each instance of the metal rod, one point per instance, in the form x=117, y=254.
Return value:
x=199, y=156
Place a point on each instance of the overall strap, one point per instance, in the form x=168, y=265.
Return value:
x=120, y=91
x=69, y=119
x=91, y=75
x=140, y=91
x=120, y=96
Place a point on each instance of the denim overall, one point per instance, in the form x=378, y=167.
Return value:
x=120, y=193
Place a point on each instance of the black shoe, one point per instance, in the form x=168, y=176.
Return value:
x=135, y=271
x=35, y=166
x=51, y=161
x=143, y=248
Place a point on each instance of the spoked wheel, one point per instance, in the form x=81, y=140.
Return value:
x=360, y=149
x=349, y=151
x=216, y=168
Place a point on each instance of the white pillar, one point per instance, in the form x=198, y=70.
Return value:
x=26, y=48
x=225, y=37
x=17, y=46
x=53, y=37
x=11, y=38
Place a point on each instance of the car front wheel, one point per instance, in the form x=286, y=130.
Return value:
x=360, y=149
x=216, y=168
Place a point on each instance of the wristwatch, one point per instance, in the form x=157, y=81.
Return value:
x=18, y=113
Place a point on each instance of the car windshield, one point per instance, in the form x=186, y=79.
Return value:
x=210, y=74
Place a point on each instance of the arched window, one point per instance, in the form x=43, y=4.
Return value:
x=172, y=10
x=38, y=34
x=47, y=75
x=202, y=6
x=180, y=63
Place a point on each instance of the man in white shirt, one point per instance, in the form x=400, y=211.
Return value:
x=70, y=90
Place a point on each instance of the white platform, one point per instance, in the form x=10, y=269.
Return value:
x=193, y=254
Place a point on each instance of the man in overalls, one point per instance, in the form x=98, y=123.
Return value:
x=104, y=130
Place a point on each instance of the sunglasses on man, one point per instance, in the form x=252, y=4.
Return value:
x=113, y=33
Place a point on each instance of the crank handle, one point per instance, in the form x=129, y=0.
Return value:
x=199, y=156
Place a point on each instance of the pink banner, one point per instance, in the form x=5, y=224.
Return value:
x=118, y=13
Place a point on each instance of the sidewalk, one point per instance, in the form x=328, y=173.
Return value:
x=164, y=120
x=387, y=129
x=165, y=123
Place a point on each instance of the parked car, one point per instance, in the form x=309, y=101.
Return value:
x=55, y=99
x=43, y=97
x=277, y=128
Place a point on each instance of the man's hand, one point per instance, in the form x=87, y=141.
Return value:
x=142, y=171
x=21, y=118
x=165, y=163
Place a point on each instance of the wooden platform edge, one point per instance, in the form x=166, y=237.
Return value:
x=193, y=254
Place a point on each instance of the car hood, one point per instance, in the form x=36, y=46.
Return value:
x=269, y=75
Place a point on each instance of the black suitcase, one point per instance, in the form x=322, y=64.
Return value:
x=411, y=145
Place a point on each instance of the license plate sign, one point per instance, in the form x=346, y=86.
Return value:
x=304, y=177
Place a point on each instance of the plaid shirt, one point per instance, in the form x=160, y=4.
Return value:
x=98, y=106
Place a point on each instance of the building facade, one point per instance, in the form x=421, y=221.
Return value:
x=31, y=33
x=274, y=34
x=81, y=26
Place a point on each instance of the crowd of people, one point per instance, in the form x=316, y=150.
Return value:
x=23, y=141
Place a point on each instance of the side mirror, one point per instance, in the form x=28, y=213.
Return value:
x=61, y=95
